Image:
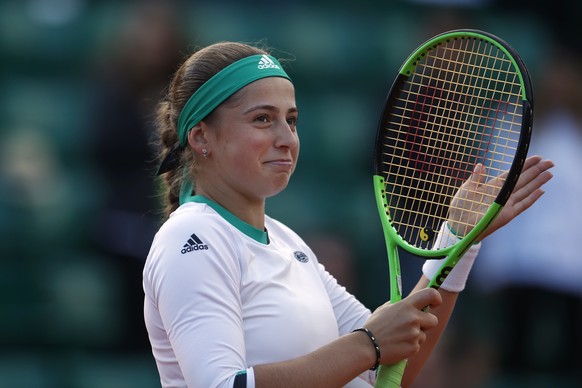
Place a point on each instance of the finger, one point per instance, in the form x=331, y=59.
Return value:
x=531, y=186
x=529, y=170
x=537, y=168
x=429, y=321
x=533, y=168
x=426, y=297
x=530, y=161
x=477, y=176
x=526, y=202
x=421, y=337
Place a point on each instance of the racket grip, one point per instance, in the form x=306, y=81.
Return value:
x=390, y=376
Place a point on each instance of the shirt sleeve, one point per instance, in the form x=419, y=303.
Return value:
x=350, y=313
x=198, y=299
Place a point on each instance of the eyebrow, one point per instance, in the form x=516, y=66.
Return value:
x=269, y=107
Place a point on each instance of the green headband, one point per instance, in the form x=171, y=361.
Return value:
x=223, y=85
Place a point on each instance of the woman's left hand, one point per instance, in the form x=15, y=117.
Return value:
x=527, y=191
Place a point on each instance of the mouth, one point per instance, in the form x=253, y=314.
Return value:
x=280, y=162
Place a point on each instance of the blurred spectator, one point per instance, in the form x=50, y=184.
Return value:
x=136, y=66
x=34, y=193
x=533, y=267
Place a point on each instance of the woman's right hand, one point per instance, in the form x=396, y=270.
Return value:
x=400, y=328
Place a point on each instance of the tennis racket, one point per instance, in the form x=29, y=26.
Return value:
x=460, y=105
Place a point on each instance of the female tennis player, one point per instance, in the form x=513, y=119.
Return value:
x=234, y=298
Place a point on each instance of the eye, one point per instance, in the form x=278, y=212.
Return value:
x=292, y=121
x=262, y=118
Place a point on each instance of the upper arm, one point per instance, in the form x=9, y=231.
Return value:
x=197, y=294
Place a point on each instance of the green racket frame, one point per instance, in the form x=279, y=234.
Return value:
x=391, y=376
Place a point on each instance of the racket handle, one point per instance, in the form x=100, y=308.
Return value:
x=390, y=376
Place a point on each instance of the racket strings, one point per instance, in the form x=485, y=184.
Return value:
x=468, y=100
x=432, y=207
x=461, y=107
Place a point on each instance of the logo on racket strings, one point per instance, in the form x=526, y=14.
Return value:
x=426, y=234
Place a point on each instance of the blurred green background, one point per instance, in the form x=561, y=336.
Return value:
x=79, y=207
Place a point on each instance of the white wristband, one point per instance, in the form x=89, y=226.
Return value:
x=457, y=278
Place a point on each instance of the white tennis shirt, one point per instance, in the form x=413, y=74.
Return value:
x=222, y=296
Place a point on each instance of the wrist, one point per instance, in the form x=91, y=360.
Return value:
x=375, y=345
x=457, y=278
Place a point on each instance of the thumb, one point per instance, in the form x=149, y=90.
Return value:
x=477, y=176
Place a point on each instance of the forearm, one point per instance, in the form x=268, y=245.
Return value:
x=332, y=365
x=443, y=313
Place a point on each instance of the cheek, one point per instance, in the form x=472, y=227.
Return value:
x=298, y=146
x=296, y=151
x=243, y=151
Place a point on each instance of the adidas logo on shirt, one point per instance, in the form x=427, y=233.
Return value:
x=193, y=244
x=267, y=63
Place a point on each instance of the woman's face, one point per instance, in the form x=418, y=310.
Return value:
x=253, y=140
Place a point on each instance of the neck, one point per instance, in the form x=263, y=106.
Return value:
x=250, y=211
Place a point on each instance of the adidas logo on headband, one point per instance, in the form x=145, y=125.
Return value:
x=267, y=63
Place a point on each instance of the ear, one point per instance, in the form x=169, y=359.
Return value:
x=197, y=137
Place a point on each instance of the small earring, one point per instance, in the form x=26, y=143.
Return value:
x=204, y=153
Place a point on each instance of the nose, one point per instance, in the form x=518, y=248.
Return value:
x=286, y=136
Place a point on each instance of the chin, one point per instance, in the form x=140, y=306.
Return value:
x=276, y=189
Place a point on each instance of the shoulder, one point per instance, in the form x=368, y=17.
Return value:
x=194, y=229
x=191, y=221
x=277, y=228
x=195, y=249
